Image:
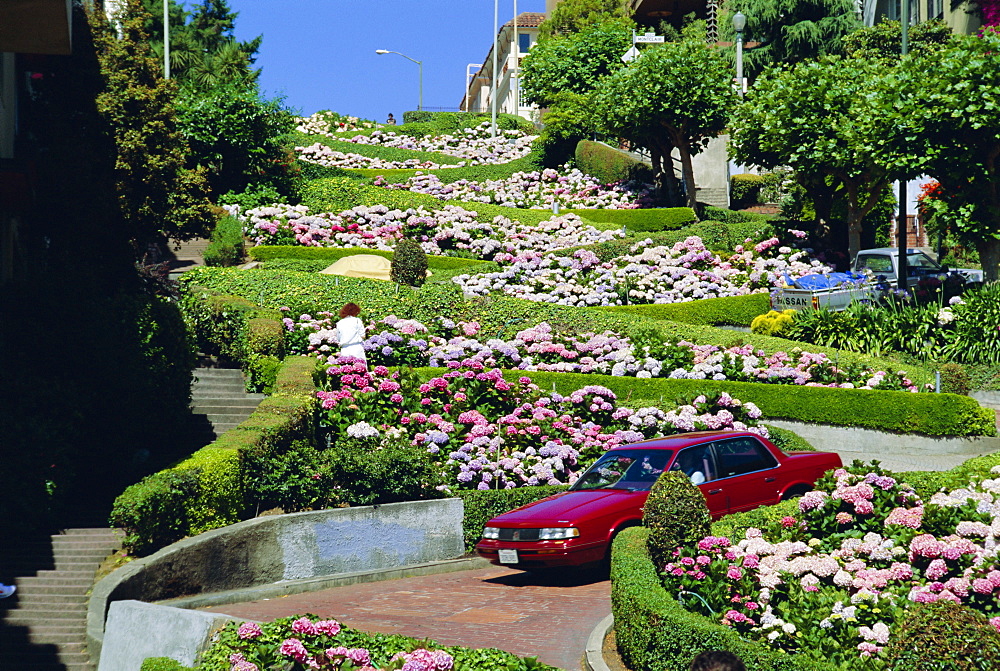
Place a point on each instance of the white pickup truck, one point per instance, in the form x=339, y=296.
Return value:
x=838, y=290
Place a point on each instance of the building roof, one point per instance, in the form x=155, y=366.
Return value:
x=527, y=20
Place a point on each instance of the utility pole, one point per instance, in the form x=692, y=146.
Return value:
x=902, y=268
x=166, y=39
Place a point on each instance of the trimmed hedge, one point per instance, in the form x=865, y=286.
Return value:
x=744, y=189
x=609, y=164
x=893, y=411
x=206, y=490
x=375, y=150
x=733, y=216
x=729, y=310
x=163, y=664
x=655, y=633
x=226, y=247
x=472, y=173
x=482, y=506
x=448, y=122
x=648, y=220
x=337, y=194
x=331, y=254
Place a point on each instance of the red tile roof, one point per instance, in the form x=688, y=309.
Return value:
x=527, y=20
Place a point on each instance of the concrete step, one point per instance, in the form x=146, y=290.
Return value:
x=46, y=615
x=48, y=658
x=44, y=583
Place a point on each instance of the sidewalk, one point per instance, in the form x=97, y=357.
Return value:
x=548, y=616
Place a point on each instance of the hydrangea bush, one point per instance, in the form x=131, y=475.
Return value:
x=301, y=643
x=487, y=433
x=683, y=272
x=406, y=342
x=451, y=230
x=330, y=123
x=321, y=154
x=538, y=189
x=840, y=574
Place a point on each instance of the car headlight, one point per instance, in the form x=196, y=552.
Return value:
x=558, y=533
x=491, y=532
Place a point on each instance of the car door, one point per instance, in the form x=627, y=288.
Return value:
x=698, y=463
x=748, y=473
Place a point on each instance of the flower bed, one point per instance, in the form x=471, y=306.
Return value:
x=450, y=230
x=476, y=144
x=842, y=572
x=326, y=122
x=535, y=190
x=487, y=433
x=404, y=342
x=682, y=272
x=308, y=642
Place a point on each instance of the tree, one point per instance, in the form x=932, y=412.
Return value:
x=158, y=196
x=674, y=96
x=792, y=31
x=573, y=16
x=952, y=122
x=827, y=120
x=575, y=63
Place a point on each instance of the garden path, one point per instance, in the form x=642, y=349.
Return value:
x=548, y=616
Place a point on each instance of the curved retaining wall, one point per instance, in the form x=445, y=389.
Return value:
x=297, y=546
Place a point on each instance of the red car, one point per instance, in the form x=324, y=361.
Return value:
x=734, y=470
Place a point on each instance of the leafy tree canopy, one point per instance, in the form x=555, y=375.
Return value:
x=791, y=31
x=677, y=95
x=575, y=63
x=952, y=122
x=573, y=16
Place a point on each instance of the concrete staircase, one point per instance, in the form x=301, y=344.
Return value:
x=219, y=401
x=44, y=623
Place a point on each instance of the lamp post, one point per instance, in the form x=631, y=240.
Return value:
x=496, y=77
x=166, y=39
x=902, y=271
x=420, y=65
x=739, y=23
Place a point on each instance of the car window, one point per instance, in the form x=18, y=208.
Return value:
x=697, y=463
x=921, y=260
x=876, y=264
x=742, y=455
x=625, y=469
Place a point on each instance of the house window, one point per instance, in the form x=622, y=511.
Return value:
x=523, y=42
x=935, y=9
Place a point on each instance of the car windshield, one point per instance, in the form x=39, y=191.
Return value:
x=635, y=470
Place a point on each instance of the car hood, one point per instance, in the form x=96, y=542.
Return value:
x=568, y=507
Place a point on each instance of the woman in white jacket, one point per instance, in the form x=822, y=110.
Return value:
x=351, y=332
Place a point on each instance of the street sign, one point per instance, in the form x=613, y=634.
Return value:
x=630, y=55
x=649, y=38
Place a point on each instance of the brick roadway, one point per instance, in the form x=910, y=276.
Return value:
x=544, y=616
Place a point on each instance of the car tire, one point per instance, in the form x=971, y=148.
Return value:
x=795, y=492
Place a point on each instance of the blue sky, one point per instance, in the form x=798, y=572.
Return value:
x=320, y=54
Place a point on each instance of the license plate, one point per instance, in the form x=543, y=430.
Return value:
x=508, y=556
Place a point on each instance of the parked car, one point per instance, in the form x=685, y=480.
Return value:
x=734, y=470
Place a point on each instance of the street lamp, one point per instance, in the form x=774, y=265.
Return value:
x=739, y=23
x=420, y=102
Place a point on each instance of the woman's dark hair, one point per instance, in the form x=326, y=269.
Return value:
x=350, y=310
x=717, y=660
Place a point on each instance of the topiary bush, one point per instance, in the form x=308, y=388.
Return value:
x=744, y=190
x=675, y=514
x=773, y=323
x=609, y=164
x=943, y=636
x=787, y=440
x=955, y=379
x=409, y=263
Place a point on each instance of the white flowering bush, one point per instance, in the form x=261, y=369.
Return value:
x=839, y=576
x=321, y=154
x=683, y=272
x=484, y=432
x=538, y=189
x=330, y=123
x=475, y=144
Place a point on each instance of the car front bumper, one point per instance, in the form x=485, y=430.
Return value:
x=542, y=553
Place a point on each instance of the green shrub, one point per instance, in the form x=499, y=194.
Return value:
x=733, y=216
x=483, y=505
x=366, y=477
x=226, y=246
x=642, y=220
x=675, y=514
x=232, y=327
x=943, y=636
x=773, y=323
x=328, y=255
x=787, y=440
x=955, y=379
x=728, y=310
x=744, y=190
x=472, y=173
x=254, y=195
x=163, y=664
x=409, y=263
x=653, y=631
x=208, y=489
x=308, y=171
x=261, y=372
x=608, y=164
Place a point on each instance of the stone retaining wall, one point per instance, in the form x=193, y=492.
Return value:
x=268, y=550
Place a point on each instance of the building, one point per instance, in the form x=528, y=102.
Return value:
x=514, y=40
